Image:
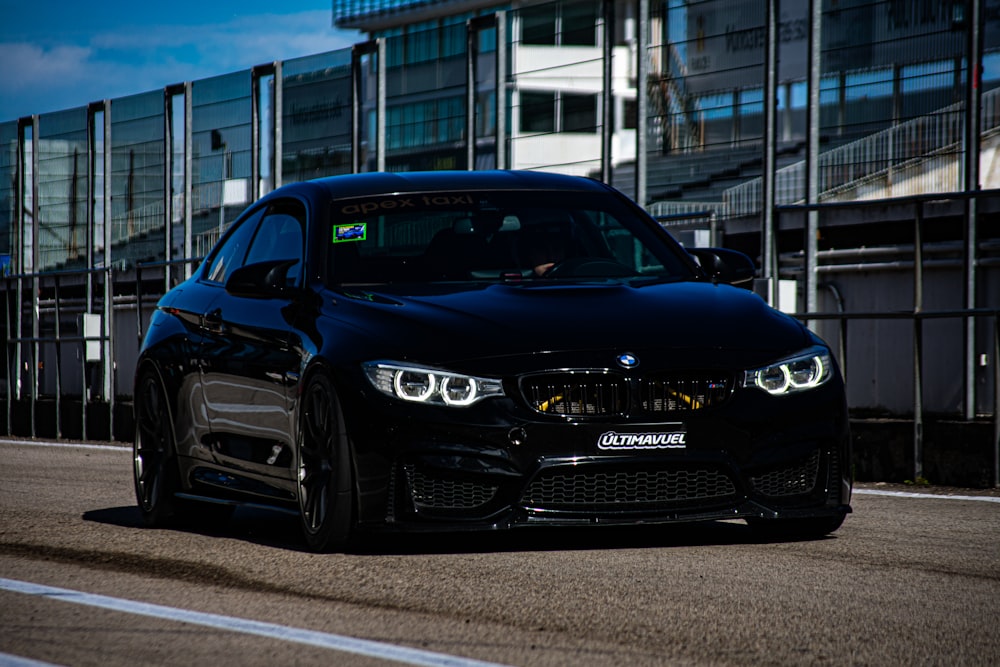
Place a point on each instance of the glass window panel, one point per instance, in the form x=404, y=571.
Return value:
x=631, y=120
x=579, y=24
x=421, y=45
x=97, y=186
x=221, y=131
x=62, y=188
x=713, y=107
x=487, y=40
x=137, y=175
x=486, y=121
x=229, y=255
x=8, y=192
x=394, y=47
x=868, y=84
x=751, y=102
x=538, y=111
x=453, y=41
x=991, y=66
x=316, y=116
x=177, y=137
x=26, y=227
x=579, y=113
x=279, y=237
x=538, y=25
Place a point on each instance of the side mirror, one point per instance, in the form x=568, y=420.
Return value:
x=726, y=266
x=264, y=280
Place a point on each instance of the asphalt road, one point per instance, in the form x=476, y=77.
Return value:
x=906, y=581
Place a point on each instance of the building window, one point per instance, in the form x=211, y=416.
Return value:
x=538, y=25
x=423, y=124
x=421, y=46
x=453, y=37
x=631, y=120
x=394, y=50
x=562, y=24
x=538, y=111
x=543, y=111
x=486, y=121
x=579, y=24
x=579, y=113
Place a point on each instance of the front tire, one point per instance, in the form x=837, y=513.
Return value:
x=324, y=489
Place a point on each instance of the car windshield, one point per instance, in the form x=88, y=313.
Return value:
x=508, y=236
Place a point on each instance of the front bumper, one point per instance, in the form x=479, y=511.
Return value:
x=613, y=490
x=502, y=472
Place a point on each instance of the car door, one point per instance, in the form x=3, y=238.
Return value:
x=250, y=358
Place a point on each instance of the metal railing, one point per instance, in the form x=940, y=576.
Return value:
x=23, y=354
x=889, y=156
x=918, y=318
x=54, y=307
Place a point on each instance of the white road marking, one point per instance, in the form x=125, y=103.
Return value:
x=71, y=445
x=8, y=660
x=932, y=496
x=365, y=647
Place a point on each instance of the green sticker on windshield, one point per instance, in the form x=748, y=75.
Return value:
x=354, y=232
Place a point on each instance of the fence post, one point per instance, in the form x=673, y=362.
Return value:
x=58, y=346
x=996, y=399
x=35, y=356
x=918, y=341
x=501, y=90
x=918, y=398
x=842, y=348
x=10, y=370
x=138, y=298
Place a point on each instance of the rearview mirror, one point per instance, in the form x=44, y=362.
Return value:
x=264, y=280
x=726, y=266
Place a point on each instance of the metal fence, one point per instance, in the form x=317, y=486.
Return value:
x=73, y=363
x=718, y=116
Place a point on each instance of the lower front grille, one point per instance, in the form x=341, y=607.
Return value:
x=789, y=481
x=432, y=491
x=624, y=489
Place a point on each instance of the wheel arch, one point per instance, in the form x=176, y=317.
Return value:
x=147, y=365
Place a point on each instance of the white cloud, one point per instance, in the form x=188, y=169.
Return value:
x=236, y=44
x=28, y=65
x=36, y=79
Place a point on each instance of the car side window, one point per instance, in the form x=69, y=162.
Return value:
x=279, y=237
x=229, y=254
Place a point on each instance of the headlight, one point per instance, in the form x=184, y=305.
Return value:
x=799, y=373
x=430, y=385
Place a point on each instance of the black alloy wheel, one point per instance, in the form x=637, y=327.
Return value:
x=154, y=463
x=324, y=468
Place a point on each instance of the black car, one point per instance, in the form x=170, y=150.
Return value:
x=479, y=350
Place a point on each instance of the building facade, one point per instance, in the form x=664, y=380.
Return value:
x=759, y=125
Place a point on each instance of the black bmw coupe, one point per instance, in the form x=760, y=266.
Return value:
x=479, y=350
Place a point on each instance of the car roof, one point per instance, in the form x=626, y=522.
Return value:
x=381, y=183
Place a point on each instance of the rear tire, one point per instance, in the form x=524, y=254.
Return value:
x=154, y=457
x=155, y=471
x=324, y=487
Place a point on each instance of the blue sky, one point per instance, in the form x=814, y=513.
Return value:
x=59, y=54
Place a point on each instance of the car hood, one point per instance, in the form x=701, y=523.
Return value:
x=443, y=324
